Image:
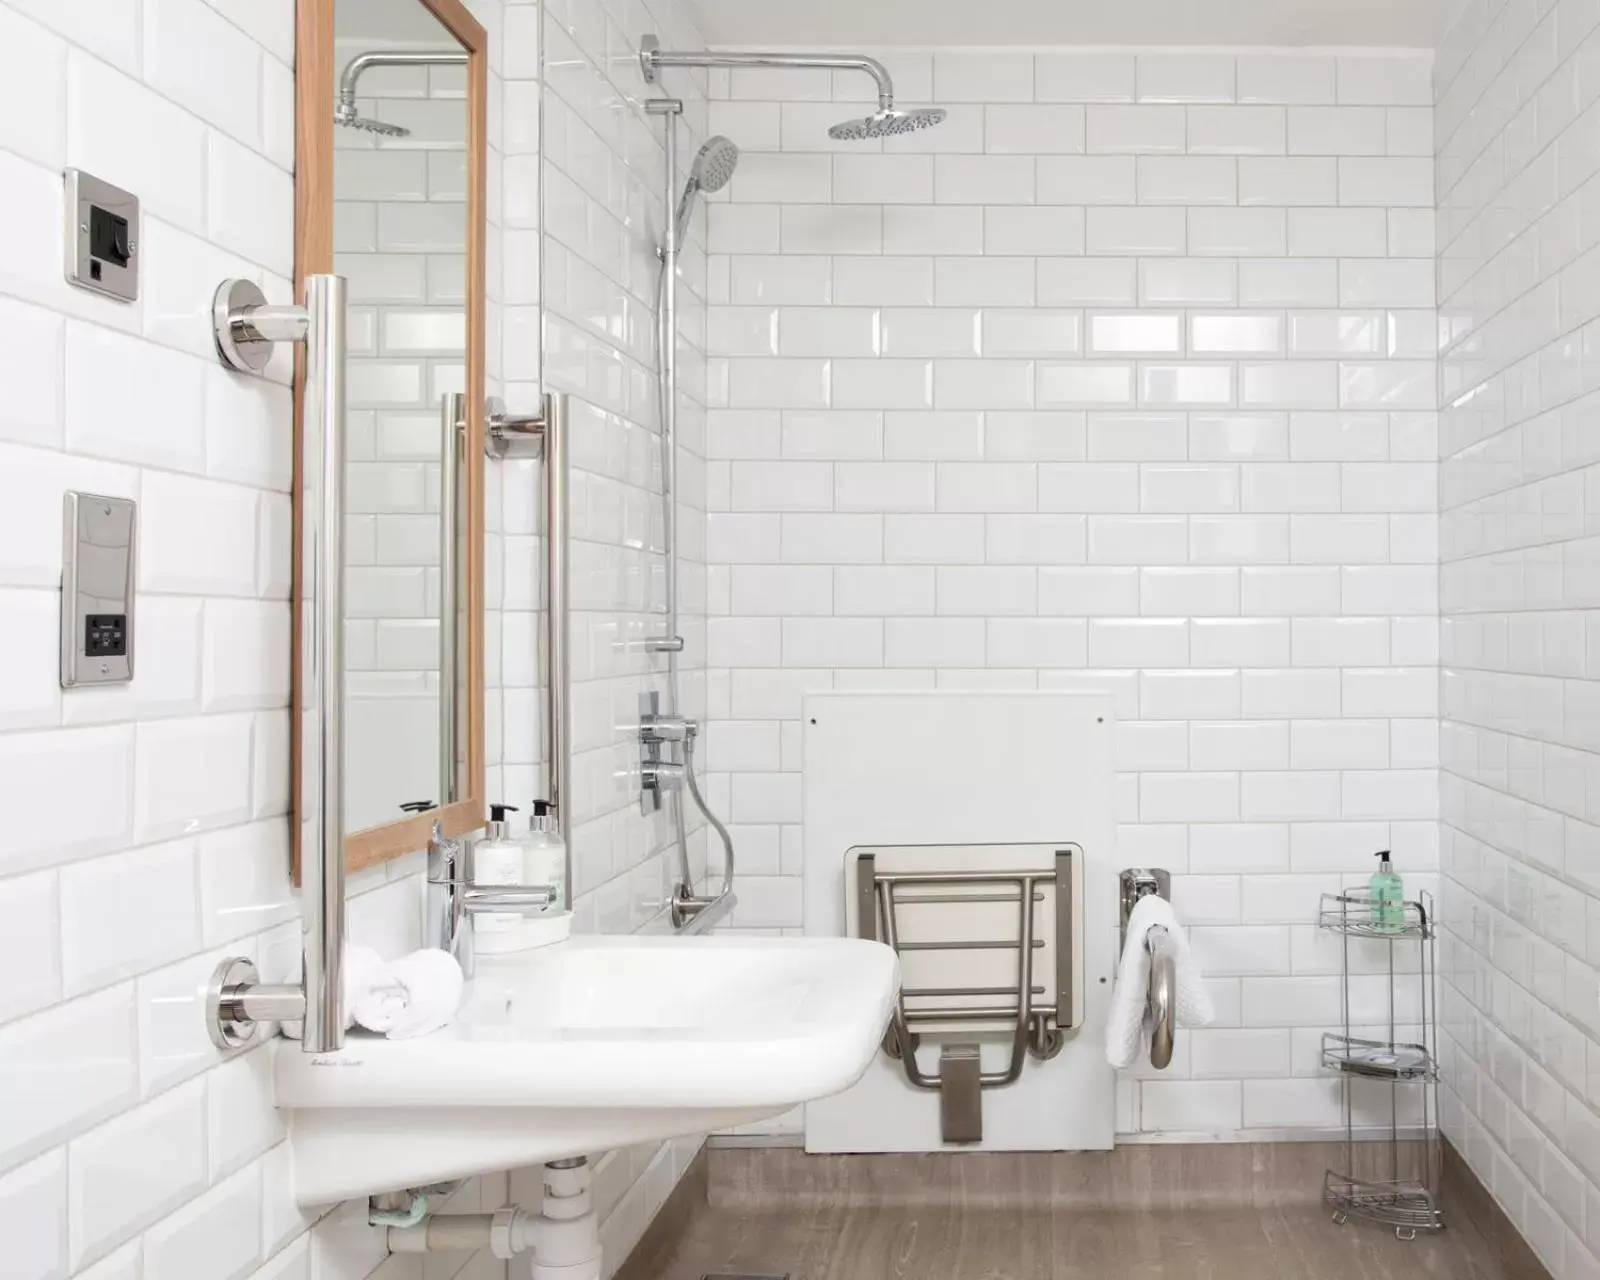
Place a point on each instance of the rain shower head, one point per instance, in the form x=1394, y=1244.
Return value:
x=711, y=170
x=887, y=123
x=351, y=119
x=345, y=112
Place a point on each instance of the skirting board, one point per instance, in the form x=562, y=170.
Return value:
x=1133, y=1177
x=780, y=1141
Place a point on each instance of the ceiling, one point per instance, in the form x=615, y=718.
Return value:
x=832, y=23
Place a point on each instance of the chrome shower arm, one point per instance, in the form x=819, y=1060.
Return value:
x=652, y=58
x=364, y=62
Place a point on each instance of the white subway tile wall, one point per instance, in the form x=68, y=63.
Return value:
x=583, y=210
x=1127, y=383
x=1520, y=635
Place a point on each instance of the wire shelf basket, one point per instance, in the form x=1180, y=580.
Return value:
x=1369, y=1052
x=1355, y=914
x=1378, y=1059
x=1409, y=1207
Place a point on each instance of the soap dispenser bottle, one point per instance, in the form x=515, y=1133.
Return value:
x=545, y=862
x=1388, y=897
x=497, y=861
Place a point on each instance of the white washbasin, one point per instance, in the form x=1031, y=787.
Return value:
x=593, y=1044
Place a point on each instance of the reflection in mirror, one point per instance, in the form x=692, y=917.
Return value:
x=400, y=238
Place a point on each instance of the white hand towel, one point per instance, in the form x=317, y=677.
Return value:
x=364, y=972
x=1126, y=1025
x=422, y=995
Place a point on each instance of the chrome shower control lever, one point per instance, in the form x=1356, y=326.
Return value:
x=667, y=728
x=658, y=775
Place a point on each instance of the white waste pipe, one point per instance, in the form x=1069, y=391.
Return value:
x=567, y=1234
x=505, y=1234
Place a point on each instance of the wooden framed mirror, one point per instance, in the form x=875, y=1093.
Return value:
x=391, y=114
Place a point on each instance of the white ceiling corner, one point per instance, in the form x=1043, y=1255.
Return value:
x=1410, y=24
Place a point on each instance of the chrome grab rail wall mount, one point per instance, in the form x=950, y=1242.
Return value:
x=1161, y=1001
x=247, y=328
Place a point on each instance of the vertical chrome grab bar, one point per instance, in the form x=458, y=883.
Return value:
x=452, y=414
x=246, y=328
x=322, y=566
x=508, y=435
x=558, y=729
x=1162, y=999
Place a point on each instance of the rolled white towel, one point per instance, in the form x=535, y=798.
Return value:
x=365, y=971
x=1126, y=1025
x=422, y=994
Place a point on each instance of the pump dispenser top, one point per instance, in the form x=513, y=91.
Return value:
x=499, y=828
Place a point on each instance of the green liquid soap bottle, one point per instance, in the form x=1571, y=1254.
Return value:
x=1388, y=897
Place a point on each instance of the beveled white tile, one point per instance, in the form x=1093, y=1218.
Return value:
x=33, y=1210
x=66, y=1069
x=116, y=1189
x=125, y=914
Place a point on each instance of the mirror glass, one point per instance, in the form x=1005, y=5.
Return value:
x=400, y=239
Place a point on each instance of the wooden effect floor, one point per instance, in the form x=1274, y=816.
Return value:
x=937, y=1243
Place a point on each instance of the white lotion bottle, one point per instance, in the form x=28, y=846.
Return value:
x=498, y=861
x=545, y=862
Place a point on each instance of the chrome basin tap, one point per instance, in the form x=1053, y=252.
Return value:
x=453, y=900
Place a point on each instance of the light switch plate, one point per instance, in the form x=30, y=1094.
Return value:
x=102, y=236
x=97, y=576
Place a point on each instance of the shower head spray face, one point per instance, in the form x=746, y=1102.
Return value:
x=712, y=169
x=715, y=164
x=345, y=114
x=886, y=124
x=378, y=127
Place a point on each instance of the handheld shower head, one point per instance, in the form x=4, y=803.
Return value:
x=715, y=164
x=711, y=170
x=886, y=123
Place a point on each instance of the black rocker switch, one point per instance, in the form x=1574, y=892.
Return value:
x=108, y=237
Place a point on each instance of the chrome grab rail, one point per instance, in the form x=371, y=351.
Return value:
x=558, y=726
x=452, y=423
x=544, y=434
x=1161, y=996
x=246, y=329
x=1162, y=1002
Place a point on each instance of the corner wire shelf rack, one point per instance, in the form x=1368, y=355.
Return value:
x=1395, y=1180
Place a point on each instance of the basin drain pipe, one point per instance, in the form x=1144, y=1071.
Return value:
x=564, y=1237
x=567, y=1234
x=505, y=1234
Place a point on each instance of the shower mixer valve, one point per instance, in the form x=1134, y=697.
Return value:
x=658, y=775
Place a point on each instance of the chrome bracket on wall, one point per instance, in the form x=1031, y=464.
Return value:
x=1140, y=882
x=513, y=435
